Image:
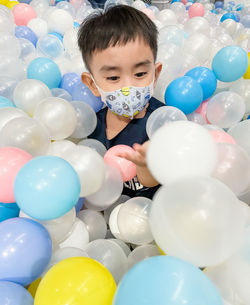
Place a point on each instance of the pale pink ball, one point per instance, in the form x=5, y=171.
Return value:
x=125, y=167
x=184, y=1
x=12, y=159
x=149, y=13
x=222, y=137
x=202, y=110
x=196, y=9
x=23, y=13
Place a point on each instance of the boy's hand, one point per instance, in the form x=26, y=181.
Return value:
x=138, y=156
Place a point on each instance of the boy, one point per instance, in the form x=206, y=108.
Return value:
x=119, y=48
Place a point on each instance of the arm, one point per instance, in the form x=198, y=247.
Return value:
x=139, y=158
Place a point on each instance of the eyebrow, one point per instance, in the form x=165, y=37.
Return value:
x=114, y=68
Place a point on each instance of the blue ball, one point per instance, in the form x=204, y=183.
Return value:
x=4, y=102
x=22, y=31
x=227, y=16
x=206, y=78
x=239, y=7
x=173, y=1
x=14, y=294
x=45, y=70
x=219, y=4
x=245, y=20
x=166, y=280
x=47, y=187
x=83, y=93
x=79, y=205
x=76, y=25
x=184, y=93
x=69, y=81
x=58, y=35
x=25, y=250
x=8, y=210
x=237, y=16
x=230, y=63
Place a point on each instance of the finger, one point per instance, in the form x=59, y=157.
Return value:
x=140, y=149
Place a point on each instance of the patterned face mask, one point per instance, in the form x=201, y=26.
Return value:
x=127, y=101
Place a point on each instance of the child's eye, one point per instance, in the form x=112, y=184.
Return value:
x=141, y=74
x=113, y=78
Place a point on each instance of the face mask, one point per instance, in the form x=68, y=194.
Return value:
x=128, y=101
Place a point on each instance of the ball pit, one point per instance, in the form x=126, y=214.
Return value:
x=66, y=228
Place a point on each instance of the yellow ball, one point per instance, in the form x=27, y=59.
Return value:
x=76, y=281
x=11, y=4
x=4, y=2
x=33, y=287
x=247, y=74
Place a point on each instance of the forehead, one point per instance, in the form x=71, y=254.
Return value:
x=123, y=56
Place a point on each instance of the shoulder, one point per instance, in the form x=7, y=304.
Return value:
x=153, y=105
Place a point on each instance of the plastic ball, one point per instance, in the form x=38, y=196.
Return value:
x=46, y=187
x=50, y=46
x=77, y=237
x=60, y=21
x=184, y=93
x=45, y=70
x=197, y=24
x=233, y=167
x=113, y=223
x=95, y=224
x=28, y=51
x=58, y=228
x=227, y=16
x=134, y=213
x=24, y=244
x=126, y=168
x=110, y=255
x=71, y=280
x=196, y=9
x=221, y=136
x=230, y=63
x=94, y=144
x=23, y=31
x=247, y=74
x=109, y=192
x=59, y=92
x=9, y=113
x=9, y=45
x=29, y=93
x=5, y=102
x=204, y=202
x=86, y=120
x=8, y=210
x=69, y=81
x=81, y=92
x=12, y=67
x=225, y=109
x=23, y=13
x=14, y=294
x=12, y=160
x=206, y=78
x=167, y=17
x=27, y=134
x=169, y=142
x=142, y=252
x=89, y=166
x=240, y=132
x=38, y=26
x=59, y=148
x=58, y=115
x=143, y=284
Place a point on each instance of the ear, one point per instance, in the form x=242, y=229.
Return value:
x=158, y=68
x=88, y=81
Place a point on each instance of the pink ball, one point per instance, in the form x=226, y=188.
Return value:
x=149, y=13
x=202, y=110
x=222, y=137
x=196, y=9
x=184, y=1
x=11, y=161
x=125, y=167
x=23, y=13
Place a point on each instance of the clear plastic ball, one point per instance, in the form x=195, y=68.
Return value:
x=59, y=148
x=142, y=252
x=9, y=113
x=94, y=144
x=59, y=92
x=50, y=46
x=240, y=133
x=9, y=45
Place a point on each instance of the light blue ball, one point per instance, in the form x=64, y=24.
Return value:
x=8, y=210
x=14, y=294
x=5, y=102
x=230, y=63
x=47, y=187
x=45, y=70
x=166, y=280
x=206, y=78
x=184, y=93
x=25, y=250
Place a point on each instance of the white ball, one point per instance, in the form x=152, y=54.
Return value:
x=59, y=148
x=60, y=21
x=181, y=149
x=38, y=26
x=9, y=113
x=167, y=17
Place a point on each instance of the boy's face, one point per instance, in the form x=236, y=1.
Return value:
x=120, y=66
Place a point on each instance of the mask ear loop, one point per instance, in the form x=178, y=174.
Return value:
x=102, y=93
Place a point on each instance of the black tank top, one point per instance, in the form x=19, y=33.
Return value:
x=134, y=132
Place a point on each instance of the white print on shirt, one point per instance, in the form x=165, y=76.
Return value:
x=133, y=184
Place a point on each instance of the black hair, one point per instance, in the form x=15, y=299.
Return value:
x=118, y=25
